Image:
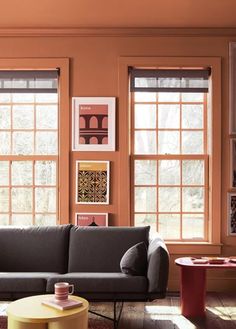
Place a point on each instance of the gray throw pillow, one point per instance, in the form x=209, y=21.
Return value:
x=134, y=260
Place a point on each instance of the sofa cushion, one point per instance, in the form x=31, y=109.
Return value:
x=34, y=249
x=32, y=282
x=104, y=245
x=134, y=260
x=101, y=282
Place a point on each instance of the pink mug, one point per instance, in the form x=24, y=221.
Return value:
x=62, y=290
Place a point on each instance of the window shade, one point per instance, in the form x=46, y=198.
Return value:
x=176, y=80
x=16, y=81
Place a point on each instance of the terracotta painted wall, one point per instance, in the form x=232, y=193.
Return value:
x=94, y=72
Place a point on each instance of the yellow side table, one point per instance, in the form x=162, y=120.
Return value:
x=29, y=313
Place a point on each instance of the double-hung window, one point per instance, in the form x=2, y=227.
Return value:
x=169, y=151
x=29, y=147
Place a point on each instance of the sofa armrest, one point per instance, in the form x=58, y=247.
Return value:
x=158, y=267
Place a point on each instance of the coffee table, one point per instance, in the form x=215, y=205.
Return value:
x=193, y=285
x=29, y=313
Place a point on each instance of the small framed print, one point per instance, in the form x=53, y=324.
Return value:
x=233, y=163
x=92, y=182
x=232, y=214
x=91, y=219
x=93, y=123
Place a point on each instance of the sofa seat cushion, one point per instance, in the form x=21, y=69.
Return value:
x=101, y=282
x=33, y=282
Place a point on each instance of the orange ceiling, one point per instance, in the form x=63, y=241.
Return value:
x=118, y=13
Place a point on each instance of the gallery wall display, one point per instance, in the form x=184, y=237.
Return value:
x=232, y=87
x=93, y=123
x=92, y=182
x=231, y=213
x=91, y=219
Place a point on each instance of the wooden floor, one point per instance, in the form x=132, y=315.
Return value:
x=165, y=314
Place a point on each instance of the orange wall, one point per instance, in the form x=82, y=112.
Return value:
x=94, y=61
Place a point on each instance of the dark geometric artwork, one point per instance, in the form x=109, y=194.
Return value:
x=92, y=182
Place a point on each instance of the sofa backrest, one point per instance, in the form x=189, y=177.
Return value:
x=100, y=249
x=29, y=249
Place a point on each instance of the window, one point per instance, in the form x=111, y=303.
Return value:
x=29, y=148
x=169, y=152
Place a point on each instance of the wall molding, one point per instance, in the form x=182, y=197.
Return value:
x=118, y=32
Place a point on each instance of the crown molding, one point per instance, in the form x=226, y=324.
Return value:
x=118, y=32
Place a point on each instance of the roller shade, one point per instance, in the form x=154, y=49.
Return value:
x=17, y=81
x=176, y=80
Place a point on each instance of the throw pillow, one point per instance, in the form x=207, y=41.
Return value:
x=134, y=260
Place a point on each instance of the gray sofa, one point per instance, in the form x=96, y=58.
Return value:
x=33, y=259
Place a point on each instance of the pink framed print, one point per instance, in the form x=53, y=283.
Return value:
x=232, y=214
x=91, y=219
x=93, y=123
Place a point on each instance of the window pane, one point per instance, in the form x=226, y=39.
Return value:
x=22, y=173
x=45, y=173
x=5, y=145
x=146, y=219
x=193, y=172
x=145, y=199
x=145, y=172
x=4, y=173
x=169, y=226
x=46, y=117
x=144, y=97
x=168, y=142
x=5, y=117
x=169, y=172
x=22, y=220
x=45, y=220
x=192, y=116
x=5, y=98
x=145, y=142
x=169, y=199
x=46, y=143
x=193, y=226
x=22, y=199
x=168, y=97
x=4, y=219
x=22, y=98
x=145, y=116
x=193, y=199
x=23, y=143
x=192, y=97
x=168, y=116
x=23, y=117
x=45, y=199
x=192, y=142
x=46, y=98
x=4, y=199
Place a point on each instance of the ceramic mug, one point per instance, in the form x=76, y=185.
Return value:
x=62, y=290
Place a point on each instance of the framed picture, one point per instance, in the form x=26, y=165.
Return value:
x=231, y=213
x=233, y=163
x=232, y=87
x=92, y=182
x=93, y=123
x=91, y=219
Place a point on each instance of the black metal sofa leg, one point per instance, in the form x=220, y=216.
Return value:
x=116, y=314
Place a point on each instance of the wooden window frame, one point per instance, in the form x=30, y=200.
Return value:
x=213, y=244
x=63, y=123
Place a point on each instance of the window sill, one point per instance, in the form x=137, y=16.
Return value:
x=194, y=248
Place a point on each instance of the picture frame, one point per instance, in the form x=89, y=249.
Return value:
x=93, y=123
x=232, y=87
x=232, y=213
x=92, y=182
x=91, y=219
x=233, y=163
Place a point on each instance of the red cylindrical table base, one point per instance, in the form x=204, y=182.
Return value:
x=193, y=290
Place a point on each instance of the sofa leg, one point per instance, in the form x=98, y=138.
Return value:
x=116, y=313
